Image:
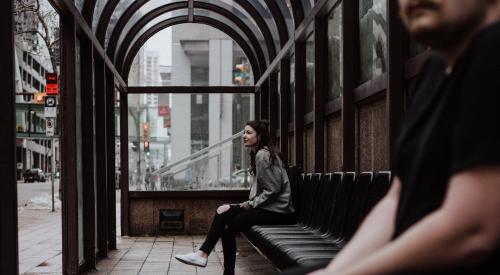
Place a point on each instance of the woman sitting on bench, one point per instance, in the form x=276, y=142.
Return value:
x=270, y=200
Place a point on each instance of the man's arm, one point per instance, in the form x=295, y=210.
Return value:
x=462, y=232
x=375, y=231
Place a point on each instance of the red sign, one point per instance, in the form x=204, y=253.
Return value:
x=163, y=111
x=52, y=88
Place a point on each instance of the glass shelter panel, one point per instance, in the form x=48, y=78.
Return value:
x=120, y=8
x=98, y=9
x=309, y=73
x=145, y=9
x=291, y=97
x=335, y=53
x=190, y=55
x=188, y=141
x=372, y=38
x=148, y=26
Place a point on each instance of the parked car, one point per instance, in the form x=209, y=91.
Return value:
x=34, y=174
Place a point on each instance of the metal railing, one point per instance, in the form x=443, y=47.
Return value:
x=221, y=166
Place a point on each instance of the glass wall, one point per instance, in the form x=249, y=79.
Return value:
x=309, y=73
x=188, y=141
x=372, y=38
x=190, y=55
x=335, y=53
x=291, y=97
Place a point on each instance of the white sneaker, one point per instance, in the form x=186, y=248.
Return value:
x=192, y=259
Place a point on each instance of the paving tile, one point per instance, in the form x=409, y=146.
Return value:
x=134, y=255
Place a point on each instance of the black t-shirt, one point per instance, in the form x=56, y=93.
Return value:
x=451, y=126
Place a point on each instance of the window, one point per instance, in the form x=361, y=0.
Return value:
x=372, y=38
x=309, y=72
x=334, y=53
x=291, y=97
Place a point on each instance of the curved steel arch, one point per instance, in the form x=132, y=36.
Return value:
x=266, y=32
x=105, y=18
x=122, y=21
x=298, y=12
x=117, y=52
x=279, y=19
x=184, y=19
x=244, y=27
x=88, y=11
x=125, y=45
x=120, y=24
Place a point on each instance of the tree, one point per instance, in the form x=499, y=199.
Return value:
x=35, y=20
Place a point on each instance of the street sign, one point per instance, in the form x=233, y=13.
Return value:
x=51, y=87
x=50, y=112
x=163, y=111
x=49, y=127
x=50, y=101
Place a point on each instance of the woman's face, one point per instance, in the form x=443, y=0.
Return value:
x=249, y=137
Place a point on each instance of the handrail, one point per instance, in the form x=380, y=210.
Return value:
x=197, y=154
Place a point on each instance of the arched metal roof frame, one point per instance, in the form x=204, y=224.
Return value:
x=226, y=24
x=126, y=65
x=278, y=18
x=127, y=15
x=261, y=25
x=105, y=17
x=88, y=10
x=158, y=11
x=122, y=49
x=116, y=51
x=241, y=24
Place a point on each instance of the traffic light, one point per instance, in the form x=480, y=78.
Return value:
x=146, y=146
x=145, y=128
x=39, y=98
x=240, y=74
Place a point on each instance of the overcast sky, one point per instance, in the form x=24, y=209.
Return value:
x=162, y=42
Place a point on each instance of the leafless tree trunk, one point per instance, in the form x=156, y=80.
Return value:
x=46, y=26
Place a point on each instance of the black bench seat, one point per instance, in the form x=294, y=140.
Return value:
x=332, y=205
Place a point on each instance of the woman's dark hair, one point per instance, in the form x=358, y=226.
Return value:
x=261, y=127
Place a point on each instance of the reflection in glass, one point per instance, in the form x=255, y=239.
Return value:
x=278, y=101
x=309, y=72
x=188, y=141
x=335, y=53
x=372, y=38
x=291, y=97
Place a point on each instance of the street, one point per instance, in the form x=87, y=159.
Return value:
x=37, y=192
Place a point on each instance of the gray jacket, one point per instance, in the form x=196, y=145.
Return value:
x=271, y=187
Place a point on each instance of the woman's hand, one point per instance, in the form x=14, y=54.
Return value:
x=223, y=208
x=244, y=205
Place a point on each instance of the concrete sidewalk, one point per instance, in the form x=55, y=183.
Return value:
x=40, y=251
x=40, y=244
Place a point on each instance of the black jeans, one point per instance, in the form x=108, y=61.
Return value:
x=235, y=220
